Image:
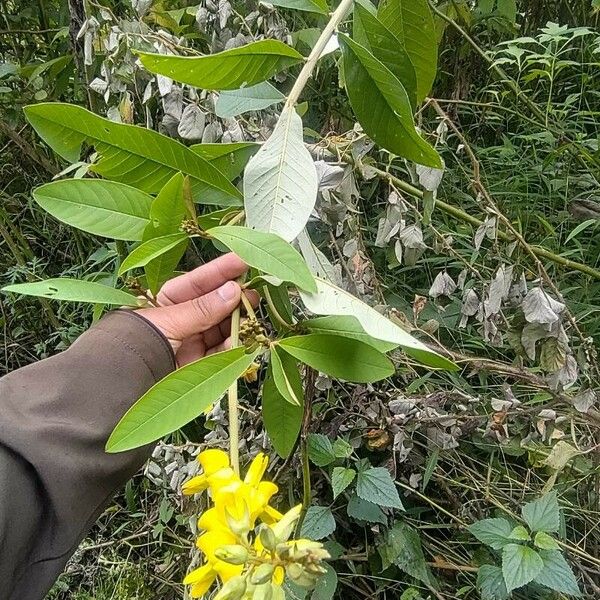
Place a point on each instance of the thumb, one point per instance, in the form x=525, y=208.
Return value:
x=180, y=321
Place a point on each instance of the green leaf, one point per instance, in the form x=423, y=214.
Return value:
x=520, y=565
x=320, y=450
x=326, y=585
x=105, y=208
x=412, y=23
x=346, y=327
x=256, y=97
x=343, y=358
x=519, y=533
x=333, y=300
x=282, y=420
x=342, y=449
x=490, y=582
x=371, y=33
x=178, y=399
x=382, y=105
x=543, y=541
x=341, y=478
x=129, y=154
x=316, y=6
x=543, y=514
x=228, y=70
x=402, y=547
x=318, y=523
x=363, y=510
x=280, y=181
x=282, y=380
x=74, y=290
x=376, y=485
x=556, y=574
x=230, y=159
x=492, y=532
x=151, y=250
x=268, y=253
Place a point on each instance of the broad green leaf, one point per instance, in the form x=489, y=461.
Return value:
x=216, y=218
x=556, y=574
x=520, y=565
x=492, y=532
x=317, y=262
x=382, y=105
x=490, y=583
x=341, y=478
x=256, y=97
x=105, y=208
x=342, y=449
x=280, y=298
x=371, y=33
x=130, y=154
x=402, y=547
x=282, y=420
x=412, y=23
x=376, y=485
x=230, y=159
x=346, y=327
x=178, y=399
x=520, y=534
x=320, y=450
x=268, y=253
x=151, y=250
x=228, y=70
x=318, y=523
x=316, y=6
x=280, y=181
x=343, y=358
x=282, y=380
x=363, y=510
x=74, y=290
x=166, y=215
x=543, y=541
x=332, y=300
x=542, y=514
x=326, y=585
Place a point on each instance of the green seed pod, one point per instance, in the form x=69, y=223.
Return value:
x=233, y=554
x=262, y=574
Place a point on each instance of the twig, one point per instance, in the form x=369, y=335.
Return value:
x=232, y=401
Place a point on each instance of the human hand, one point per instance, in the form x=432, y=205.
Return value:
x=195, y=308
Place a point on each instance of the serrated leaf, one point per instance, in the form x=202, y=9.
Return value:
x=556, y=574
x=342, y=449
x=268, y=253
x=74, y=290
x=490, y=582
x=412, y=23
x=543, y=541
x=105, y=208
x=382, y=105
x=255, y=97
x=129, y=154
x=343, y=358
x=282, y=380
x=230, y=159
x=151, y=250
x=492, y=532
x=543, y=514
x=178, y=399
x=316, y=6
x=318, y=523
x=282, y=420
x=320, y=450
x=376, y=485
x=333, y=300
x=228, y=70
x=520, y=565
x=341, y=478
x=371, y=33
x=520, y=533
x=280, y=181
x=363, y=510
x=346, y=327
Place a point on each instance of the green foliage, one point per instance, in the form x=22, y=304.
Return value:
x=254, y=97
x=152, y=250
x=375, y=485
x=318, y=523
x=341, y=478
x=543, y=514
x=320, y=450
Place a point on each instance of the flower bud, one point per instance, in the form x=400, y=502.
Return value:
x=299, y=576
x=262, y=574
x=263, y=592
x=233, y=554
x=267, y=538
x=234, y=589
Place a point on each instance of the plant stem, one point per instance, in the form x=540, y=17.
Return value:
x=274, y=310
x=232, y=401
x=336, y=18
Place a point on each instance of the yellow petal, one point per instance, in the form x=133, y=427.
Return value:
x=270, y=515
x=227, y=571
x=266, y=490
x=212, y=460
x=195, y=485
x=257, y=470
x=278, y=575
x=283, y=528
x=211, y=540
x=222, y=478
x=200, y=574
x=212, y=520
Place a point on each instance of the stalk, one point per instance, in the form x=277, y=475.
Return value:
x=232, y=401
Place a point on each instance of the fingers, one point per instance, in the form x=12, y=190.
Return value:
x=202, y=280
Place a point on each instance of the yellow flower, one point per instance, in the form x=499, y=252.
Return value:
x=215, y=464
x=257, y=470
x=208, y=544
x=200, y=579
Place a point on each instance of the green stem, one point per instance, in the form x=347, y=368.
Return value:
x=273, y=309
x=232, y=401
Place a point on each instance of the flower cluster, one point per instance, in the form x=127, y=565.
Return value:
x=250, y=559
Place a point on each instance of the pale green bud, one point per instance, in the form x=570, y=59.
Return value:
x=233, y=554
x=234, y=589
x=263, y=592
x=267, y=538
x=299, y=576
x=262, y=574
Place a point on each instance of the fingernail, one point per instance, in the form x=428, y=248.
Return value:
x=228, y=291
